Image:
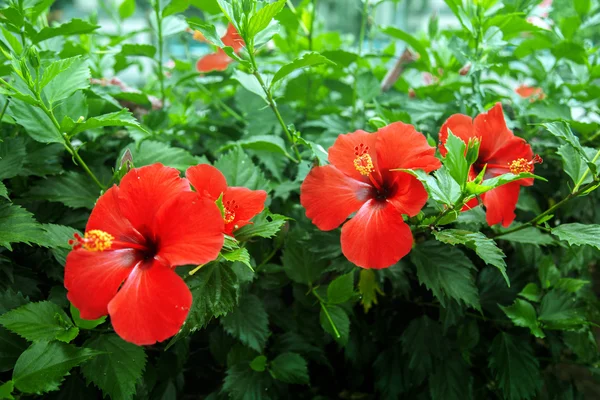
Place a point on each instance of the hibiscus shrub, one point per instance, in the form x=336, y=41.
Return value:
x=298, y=213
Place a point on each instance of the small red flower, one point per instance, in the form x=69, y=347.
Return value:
x=240, y=204
x=359, y=180
x=136, y=234
x=220, y=60
x=531, y=93
x=502, y=152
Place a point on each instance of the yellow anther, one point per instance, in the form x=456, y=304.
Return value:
x=364, y=164
x=520, y=165
x=97, y=240
x=229, y=216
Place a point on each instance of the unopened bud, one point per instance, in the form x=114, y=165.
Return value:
x=411, y=93
x=34, y=57
x=465, y=69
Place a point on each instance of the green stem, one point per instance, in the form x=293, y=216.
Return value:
x=458, y=205
x=326, y=312
x=361, y=38
x=220, y=103
x=4, y=109
x=586, y=172
x=310, y=48
x=161, y=74
x=293, y=10
x=272, y=104
x=67, y=143
x=561, y=203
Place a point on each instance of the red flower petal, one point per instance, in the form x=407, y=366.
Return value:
x=151, y=306
x=376, y=237
x=207, y=180
x=491, y=128
x=461, y=126
x=213, y=62
x=249, y=204
x=232, y=38
x=92, y=278
x=342, y=154
x=500, y=204
x=106, y=216
x=329, y=196
x=144, y=190
x=189, y=230
x=399, y=145
x=409, y=196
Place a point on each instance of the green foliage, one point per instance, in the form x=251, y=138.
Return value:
x=117, y=368
x=42, y=367
x=473, y=311
x=514, y=366
x=43, y=321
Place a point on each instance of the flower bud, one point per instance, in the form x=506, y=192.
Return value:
x=465, y=69
x=34, y=57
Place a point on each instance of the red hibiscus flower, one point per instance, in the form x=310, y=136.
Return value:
x=241, y=204
x=136, y=234
x=359, y=180
x=531, y=93
x=501, y=152
x=220, y=60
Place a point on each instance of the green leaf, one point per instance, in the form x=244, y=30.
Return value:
x=531, y=292
x=74, y=77
x=37, y=124
x=290, y=368
x=560, y=310
x=307, y=60
x=126, y=8
x=263, y=17
x=240, y=255
x=117, y=369
x=340, y=319
x=242, y=383
x=574, y=164
x=514, y=367
x=248, y=322
x=6, y=390
x=73, y=27
x=446, y=271
x=73, y=189
x=409, y=40
x=250, y=83
x=239, y=170
x=579, y=234
x=301, y=265
x=150, y=152
x=455, y=159
x=259, y=364
x=485, y=247
x=368, y=287
x=451, y=380
x=265, y=225
x=547, y=272
x=56, y=68
x=215, y=293
x=144, y=50
x=3, y=191
x=85, y=323
x=119, y=118
x=40, y=321
x=441, y=186
x=423, y=343
x=175, y=6
x=523, y=314
x=42, y=367
x=563, y=132
x=528, y=235
x=341, y=289
x=492, y=183
x=11, y=347
x=18, y=226
x=571, y=285
x=12, y=157
x=270, y=143
x=367, y=86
